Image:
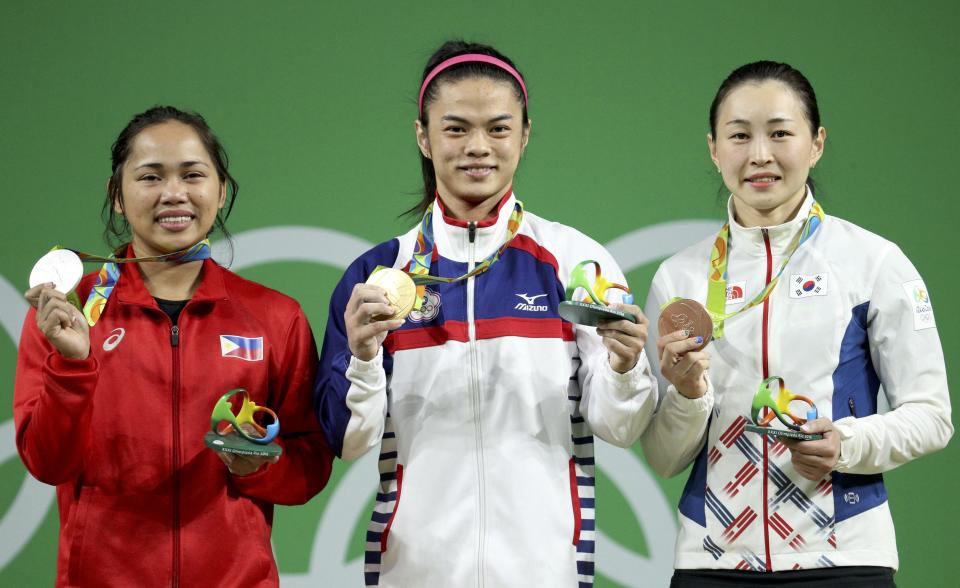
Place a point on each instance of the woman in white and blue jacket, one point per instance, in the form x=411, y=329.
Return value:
x=849, y=317
x=483, y=401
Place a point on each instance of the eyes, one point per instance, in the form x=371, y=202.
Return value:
x=188, y=175
x=497, y=130
x=777, y=134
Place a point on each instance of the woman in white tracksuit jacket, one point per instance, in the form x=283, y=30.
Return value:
x=484, y=401
x=850, y=317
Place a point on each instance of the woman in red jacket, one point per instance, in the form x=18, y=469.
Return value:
x=111, y=403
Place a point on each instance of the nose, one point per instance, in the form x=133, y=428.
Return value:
x=174, y=190
x=761, y=154
x=478, y=144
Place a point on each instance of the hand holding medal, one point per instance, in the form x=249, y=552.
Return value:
x=376, y=307
x=52, y=283
x=685, y=329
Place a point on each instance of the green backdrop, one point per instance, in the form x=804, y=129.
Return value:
x=315, y=102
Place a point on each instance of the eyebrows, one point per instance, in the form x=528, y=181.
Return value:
x=771, y=121
x=460, y=119
x=183, y=165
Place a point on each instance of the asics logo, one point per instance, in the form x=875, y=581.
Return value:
x=111, y=342
x=528, y=303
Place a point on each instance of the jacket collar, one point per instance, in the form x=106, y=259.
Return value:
x=451, y=235
x=779, y=235
x=131, y=289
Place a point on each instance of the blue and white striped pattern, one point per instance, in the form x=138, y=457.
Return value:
x=586, y=483
x=385, y=505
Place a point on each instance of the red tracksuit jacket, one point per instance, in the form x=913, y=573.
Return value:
x=142, y=501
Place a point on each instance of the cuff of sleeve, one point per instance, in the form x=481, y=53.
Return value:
x=628, y=383
x=690, y=406
x=362, y=368
x=849, y=444
x=60, y=365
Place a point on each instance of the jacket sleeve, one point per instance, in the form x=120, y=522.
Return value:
x=52, y=403
x=350, y=394
x=304, y=467
x=679, y=426
x=617, y=407
x=905, y=351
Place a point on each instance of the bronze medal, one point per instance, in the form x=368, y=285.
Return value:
x=686, y=314
x=400, y=291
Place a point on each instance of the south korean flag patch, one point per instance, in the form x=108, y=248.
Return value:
x=802, y=285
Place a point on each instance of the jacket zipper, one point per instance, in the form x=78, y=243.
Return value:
x=475, y=398
x=175, y=347
x=766, y=374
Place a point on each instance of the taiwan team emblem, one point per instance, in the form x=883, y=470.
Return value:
x=802, y=286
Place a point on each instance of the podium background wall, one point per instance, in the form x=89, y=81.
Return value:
x=315, y=103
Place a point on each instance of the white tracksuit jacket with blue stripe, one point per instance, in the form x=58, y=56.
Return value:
x=849, y=324
x=484, y=406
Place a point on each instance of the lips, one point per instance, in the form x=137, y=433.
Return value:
x=175, y=220
x=764, y=180
x=478, y=171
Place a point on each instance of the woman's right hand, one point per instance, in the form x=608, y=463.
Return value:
x=61, y=323
x=364, y=333
x=681, y=366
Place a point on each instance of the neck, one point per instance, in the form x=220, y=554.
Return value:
x=471, y=210
x=170, y=280
x=749, y=216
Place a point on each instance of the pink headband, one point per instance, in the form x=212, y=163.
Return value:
x=471, y=57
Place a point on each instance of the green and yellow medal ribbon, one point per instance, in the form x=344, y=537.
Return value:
x=717, y=287
x=110, y=272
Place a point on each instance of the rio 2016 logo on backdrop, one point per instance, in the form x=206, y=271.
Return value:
x=349, y=497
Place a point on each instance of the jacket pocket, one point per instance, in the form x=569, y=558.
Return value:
x=575, y=500
x=77, y=533
x=393, y=515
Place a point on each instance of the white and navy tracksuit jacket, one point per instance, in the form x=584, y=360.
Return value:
x=484, y=405
x=849, y=319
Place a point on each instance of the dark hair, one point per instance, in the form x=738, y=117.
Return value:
x=761, y=71
x=456, y=73
x=117, y=230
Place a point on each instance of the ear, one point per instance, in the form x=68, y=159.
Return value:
x=816, y=150
x=223, y=195
x=712, y=146
x=423, y=141
x=118, y=203
x=526, y=136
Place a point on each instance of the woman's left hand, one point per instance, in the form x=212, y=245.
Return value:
x=623, y=339
x=244, y=465
x=815, y=459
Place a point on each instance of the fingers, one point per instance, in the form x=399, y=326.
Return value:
x=365, y=294
x=33, y=294
x=672, y=351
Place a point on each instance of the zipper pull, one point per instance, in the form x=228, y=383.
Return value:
x=471, y=231
x=175, y=336
x=851, y=405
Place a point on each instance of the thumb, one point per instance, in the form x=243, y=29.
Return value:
x=820, y=425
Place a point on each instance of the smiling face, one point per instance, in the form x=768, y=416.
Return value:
x=474, y=137
x=764, y=148
x=170, y=190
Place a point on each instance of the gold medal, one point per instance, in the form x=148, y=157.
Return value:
x=401, y=292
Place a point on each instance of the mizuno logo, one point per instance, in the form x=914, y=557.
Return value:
x=530, y=299
x=111, y=342
x=528, y=303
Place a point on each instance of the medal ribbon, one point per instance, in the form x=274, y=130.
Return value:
x=110, y=272
x=717, y=287
x=419, y=267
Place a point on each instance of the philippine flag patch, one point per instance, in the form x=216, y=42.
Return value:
x=245, y=348
x=802, y=285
